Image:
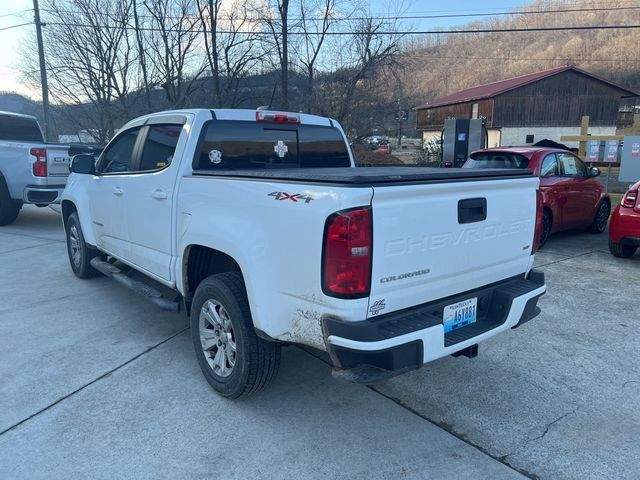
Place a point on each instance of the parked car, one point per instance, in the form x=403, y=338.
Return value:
x=384, y=147
x=266, y=231
x=572, y=196
x=624, y=228
x=31, y=171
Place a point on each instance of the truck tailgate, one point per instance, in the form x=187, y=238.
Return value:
x=434, y=240
x=57, y=160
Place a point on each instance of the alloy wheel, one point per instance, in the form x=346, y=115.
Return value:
x=217, y=338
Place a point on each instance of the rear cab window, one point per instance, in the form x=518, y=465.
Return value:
x=246, y=145
x=20, y=129
x=496, y=160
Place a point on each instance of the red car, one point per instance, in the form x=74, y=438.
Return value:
x=624, y=229
x=571, y=195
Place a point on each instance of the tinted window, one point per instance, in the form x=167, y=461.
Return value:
x=252, y=145
x=572, y=166
x=159, y=146
x=496, y=160
x=19, y=129
x=117, y=157
x=549, y=166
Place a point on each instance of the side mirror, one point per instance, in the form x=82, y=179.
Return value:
x=83, y=164
x=594, y=171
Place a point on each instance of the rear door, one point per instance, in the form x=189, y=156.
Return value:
x=431, y=241
x=151, y=192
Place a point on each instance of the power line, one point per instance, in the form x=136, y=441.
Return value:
x=393, y=33
x=385, y=17
x=16, y=14
x=15, y=26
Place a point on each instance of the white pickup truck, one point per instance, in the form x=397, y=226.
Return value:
x=31, y=171
x=260, y=225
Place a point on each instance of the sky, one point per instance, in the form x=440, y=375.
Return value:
x=14, y=12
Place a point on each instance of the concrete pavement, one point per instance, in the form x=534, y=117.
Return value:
x=97, y=383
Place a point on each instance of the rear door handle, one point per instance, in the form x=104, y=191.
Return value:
x=118, y=191
x=159, y=194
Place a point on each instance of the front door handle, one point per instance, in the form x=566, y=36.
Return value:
x=118, y=191
x=159, y=194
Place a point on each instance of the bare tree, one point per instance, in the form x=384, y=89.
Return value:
x=232, y=41
x=279, y=28
x=314, y=30
x=172, y=34
x=361, y=59
x=89, y=60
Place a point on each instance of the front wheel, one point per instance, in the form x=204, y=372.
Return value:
x=80, y=254
x=601, y=218
x=234, y=360
x=621, y=251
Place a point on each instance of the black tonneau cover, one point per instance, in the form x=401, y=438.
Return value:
x=366, y=176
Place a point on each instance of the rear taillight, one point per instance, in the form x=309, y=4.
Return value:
x=40, y=165
x=346, y=267
x=630, y=198
x=539, y=219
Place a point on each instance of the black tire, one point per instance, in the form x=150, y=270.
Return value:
x=255, y=361
x=601, y=218
x=547, y=222
x=621, y=251
x=80, y=264
x=9, y=208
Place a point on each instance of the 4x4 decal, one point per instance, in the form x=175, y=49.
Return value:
x=294, y=197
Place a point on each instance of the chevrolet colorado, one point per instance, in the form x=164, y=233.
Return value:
x=31, y=171
x=260, y=225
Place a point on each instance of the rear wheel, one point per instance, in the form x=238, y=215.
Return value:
x=547, y=221
x=9, y=208
x=234, y=360
x=621, y=251
x=601, y=219
x=80, y=255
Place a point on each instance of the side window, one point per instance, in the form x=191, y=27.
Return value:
x=118, y=155
x=159, y=147
x=549, y=166
x=572, y=166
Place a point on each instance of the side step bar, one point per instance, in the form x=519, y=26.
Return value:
x=148, y=292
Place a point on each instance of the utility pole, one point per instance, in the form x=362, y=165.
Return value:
x=43, y=70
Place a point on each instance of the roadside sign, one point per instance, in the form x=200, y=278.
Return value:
x=612, y=151
x=594, y=151
x=402, y=115
x=630, y=166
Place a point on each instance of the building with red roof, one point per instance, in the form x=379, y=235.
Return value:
x=525, y=109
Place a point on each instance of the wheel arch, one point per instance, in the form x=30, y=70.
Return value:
x=68, y=207
x=201, y=261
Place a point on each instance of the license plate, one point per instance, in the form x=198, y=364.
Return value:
x=460, y=314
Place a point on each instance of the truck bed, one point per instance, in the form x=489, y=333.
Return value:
x=368, y=176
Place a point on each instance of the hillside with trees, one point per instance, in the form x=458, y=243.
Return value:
x=111, y=60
